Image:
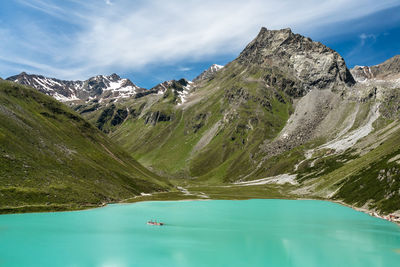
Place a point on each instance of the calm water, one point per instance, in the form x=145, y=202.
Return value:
x=201, y=233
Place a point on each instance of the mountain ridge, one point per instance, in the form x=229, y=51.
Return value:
x=208, y=73
x=387, y=70
x=99, y=87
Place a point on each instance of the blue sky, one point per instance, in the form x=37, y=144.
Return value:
x=156, y=40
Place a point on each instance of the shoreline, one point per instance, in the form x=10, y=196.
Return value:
x=137, y=199
x=371, y=213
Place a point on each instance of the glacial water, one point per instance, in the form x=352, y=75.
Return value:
x=201, y=233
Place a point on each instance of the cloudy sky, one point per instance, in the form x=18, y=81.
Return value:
x=155, y=40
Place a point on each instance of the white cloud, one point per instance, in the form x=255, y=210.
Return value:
x=364, y=37
x=132, y=35
x=184, y=69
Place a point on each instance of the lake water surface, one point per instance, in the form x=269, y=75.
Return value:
x=201, y=233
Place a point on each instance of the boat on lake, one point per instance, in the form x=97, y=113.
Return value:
x=155, y=223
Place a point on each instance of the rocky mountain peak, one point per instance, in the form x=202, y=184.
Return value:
x=314, y=64
x=275, y=38
x=99, y=87
x=114, y=76
x=388, y=70
x=362, y=73
x=208, y=73
x=183, y=82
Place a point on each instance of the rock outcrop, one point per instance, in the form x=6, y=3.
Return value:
x=388, y=70
x=314, y=64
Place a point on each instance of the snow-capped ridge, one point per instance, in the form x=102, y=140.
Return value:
x=208, y=73
x=99, y=87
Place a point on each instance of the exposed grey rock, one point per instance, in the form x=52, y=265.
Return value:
x=312, y=63
x=388, y=70
x=361, y=73
x=154, y=117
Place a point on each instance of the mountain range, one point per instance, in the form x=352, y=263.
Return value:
x=286, y=118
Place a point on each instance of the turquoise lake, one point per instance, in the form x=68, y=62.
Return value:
x=201, y=233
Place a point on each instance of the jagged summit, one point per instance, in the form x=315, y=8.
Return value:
x=388, y=70
x=114, y=76
x=208, y=73
x=100, y=87
x=313, y=63
x=179, y=88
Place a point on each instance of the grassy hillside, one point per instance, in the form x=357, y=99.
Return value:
x=215, y=139
x=51, y=158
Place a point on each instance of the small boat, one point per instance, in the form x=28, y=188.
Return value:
x=155, y=223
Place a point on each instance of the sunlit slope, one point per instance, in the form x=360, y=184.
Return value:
x=52, y=158
x=215, y=136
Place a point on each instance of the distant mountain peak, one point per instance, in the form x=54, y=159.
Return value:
x=264, y=30
x=114, y=76
x=208, y=73
x=216, y=67
x=100, y=87
x=388, y=70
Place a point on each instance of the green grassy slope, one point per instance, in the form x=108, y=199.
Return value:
x=372, y=179
x=51, y=158
x=237, y=111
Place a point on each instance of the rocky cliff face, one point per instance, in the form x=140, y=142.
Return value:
x=362, y=73
x=314, y=64
x=100, y=87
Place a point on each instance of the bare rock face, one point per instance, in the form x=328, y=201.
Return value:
x=362, y=73
x=312, y=63
x=388, y=70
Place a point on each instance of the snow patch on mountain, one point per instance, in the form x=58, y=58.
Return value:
x=100, y=87
x=63, y=98
x=123, y=87
x=184, y=94
x=216, y=67
x=208, y=73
